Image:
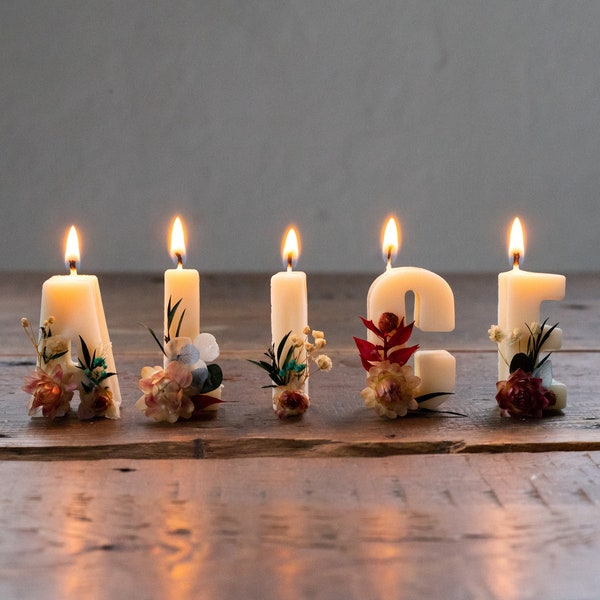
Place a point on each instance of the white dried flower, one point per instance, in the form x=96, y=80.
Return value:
x=515, y=336
x=306, y=330
x=324, y=362
x=496, y=334
x=296, y=341
x=320, y=343
x=56, y=344
x=317, y=334
x=535, y=327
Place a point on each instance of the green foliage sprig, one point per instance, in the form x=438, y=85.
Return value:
x=93, y=367
x=279, y=368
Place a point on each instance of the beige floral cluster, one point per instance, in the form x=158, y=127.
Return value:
x=292, y=399
x=56, y=377
x=319, y=342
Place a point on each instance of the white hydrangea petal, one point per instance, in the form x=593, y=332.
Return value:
x=208, y=347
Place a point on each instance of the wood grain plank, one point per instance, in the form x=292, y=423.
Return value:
x=337, y=423
x=473, y=526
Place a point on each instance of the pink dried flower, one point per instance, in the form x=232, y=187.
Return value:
x=51, y=391
x=523, y=395
x=166, y=392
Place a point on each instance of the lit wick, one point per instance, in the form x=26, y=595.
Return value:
x=72, y=250
x=179, y=258
x=516, y=244
x=290, y=249
x=389, y=258
x=391, y=242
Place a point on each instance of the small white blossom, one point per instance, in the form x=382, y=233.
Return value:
x=324, y=362
x=57, y=344
x=320, y=343
x=535, y=327
x=515, y=336
x=496, y=333
x=317, y=334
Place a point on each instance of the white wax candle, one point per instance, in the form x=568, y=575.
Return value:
x=520, y=294
x=433, y=311
x=289, y=298
x=434, y=300
x=289, y=304
x=75, y=303
x=182, y=284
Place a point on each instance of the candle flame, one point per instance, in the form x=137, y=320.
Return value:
x=72, y=256
x=290, y=249
x=391, y=241
x=516, y=245
x=178, y=242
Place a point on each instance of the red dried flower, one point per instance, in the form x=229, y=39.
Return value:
x=523, y=395
x=289, y=402
x=387, y=322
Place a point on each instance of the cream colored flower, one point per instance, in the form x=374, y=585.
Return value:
x=309, y=347
x=391, y=389
x=296, y=340
x=56, y=344
x=317, y=334
x=320, y=343
x=496, y=333
x=535, y=327
x=306, y=330
x=515, y=336
x=324, y=362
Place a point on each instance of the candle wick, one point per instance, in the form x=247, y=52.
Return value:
x=179, y=260
x=73, y=267
x=516, y=258
x=389, y=259
x=289, y=262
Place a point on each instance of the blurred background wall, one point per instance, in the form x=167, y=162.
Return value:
x=246, y=115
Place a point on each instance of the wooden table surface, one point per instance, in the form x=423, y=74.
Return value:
x=338, y=504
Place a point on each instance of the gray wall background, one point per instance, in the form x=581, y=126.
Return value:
x=246, y=115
